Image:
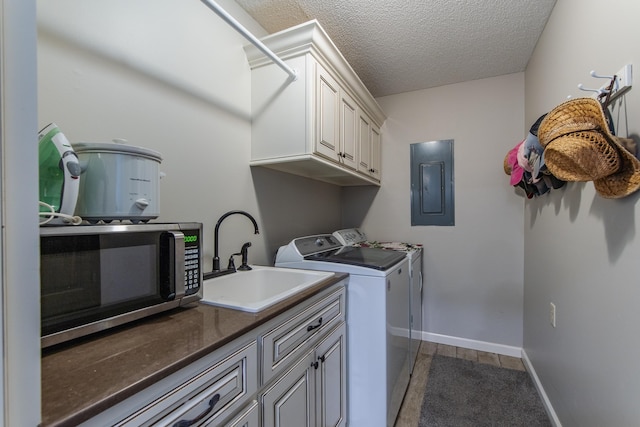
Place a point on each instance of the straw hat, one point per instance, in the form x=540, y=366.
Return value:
x=506, y=165
x=578, y=146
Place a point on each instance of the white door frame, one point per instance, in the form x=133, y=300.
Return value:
x=19, y=237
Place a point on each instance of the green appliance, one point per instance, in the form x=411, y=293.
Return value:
x=59, y=175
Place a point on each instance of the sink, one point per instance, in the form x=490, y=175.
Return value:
x=259, y=288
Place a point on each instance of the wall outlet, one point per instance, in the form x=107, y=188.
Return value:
x=552, y=314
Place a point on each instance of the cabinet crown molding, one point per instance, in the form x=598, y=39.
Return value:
x=310, y=37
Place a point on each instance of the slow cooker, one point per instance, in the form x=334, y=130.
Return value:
x=119, y=182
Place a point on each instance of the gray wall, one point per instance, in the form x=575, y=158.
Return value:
x=473, y=271
x=582, y=251
x=172, y=76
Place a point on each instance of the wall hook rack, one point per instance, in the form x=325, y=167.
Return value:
x=618, y=85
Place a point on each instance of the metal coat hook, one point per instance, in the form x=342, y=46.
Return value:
x=593, y=74
x=600, y=91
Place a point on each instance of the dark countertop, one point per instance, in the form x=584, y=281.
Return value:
x=85, y=377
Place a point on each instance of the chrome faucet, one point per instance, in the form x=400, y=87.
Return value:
x=216, y=257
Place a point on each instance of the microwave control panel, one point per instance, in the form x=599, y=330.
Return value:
x=191, y=261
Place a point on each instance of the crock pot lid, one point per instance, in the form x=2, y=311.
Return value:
x=115, y=147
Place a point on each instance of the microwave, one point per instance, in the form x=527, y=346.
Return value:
x=94, y=277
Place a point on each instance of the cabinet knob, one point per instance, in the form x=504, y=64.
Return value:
x=315, y=364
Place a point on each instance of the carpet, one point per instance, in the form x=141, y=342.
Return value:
x=463, y=393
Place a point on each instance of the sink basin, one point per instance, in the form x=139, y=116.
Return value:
x=259, y=288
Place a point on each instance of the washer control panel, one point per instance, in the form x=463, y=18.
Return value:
x=350, y=236
x=314, y=244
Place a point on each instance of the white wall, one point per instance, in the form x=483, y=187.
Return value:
x=473, y=271
x=19, y=266
x=582, y=251
x=172, y=76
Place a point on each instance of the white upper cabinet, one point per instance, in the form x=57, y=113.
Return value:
x=328, y=115
x=348, y=130
x=313, y=126
x=369, y=146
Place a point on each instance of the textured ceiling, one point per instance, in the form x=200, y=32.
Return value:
x=404, y=45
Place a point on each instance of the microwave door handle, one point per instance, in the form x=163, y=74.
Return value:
x=178, y=262
x=174, y=289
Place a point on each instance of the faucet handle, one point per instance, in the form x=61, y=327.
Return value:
x=232, y=264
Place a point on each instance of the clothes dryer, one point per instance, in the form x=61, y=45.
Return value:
x=357, y=238
x=378, y=283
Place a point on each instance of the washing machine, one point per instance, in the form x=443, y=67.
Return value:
x=356, y=237
x=376, y=298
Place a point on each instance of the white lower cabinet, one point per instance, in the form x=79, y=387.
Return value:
x=310, y=388
x=206, y=392
x=288, y=372
x=330, y=375
x=313, y=391
x=248, y=417
x=288, y=402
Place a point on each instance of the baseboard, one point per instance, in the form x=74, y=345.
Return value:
x=543, y=395
x=489, y=347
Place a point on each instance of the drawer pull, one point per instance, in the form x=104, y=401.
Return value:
x=312, y=327
x=186, y=423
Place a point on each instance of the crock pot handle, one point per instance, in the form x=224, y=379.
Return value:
x=142, y=204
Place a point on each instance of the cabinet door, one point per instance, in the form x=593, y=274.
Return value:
x=331, y=391
x=376, y=153
x=327, y=114
x=369, y=147
x=248, y=417
x=348, y=130
x=289, y=402
x=364, y=143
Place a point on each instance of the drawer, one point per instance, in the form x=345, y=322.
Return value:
x=282, y=345
x=213, y=394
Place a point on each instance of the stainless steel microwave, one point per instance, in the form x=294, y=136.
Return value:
x=94, y=277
